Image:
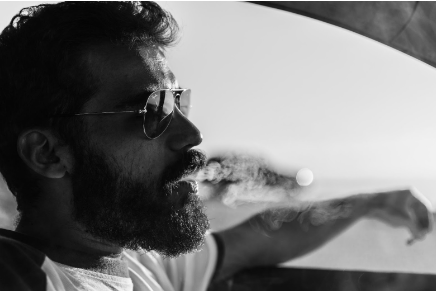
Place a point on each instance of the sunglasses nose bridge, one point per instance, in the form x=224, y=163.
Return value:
x=184, y=101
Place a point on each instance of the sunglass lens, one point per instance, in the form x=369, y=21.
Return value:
x=159, y=109
x=185, y=102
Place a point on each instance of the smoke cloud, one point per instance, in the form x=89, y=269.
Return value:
x=239, y=180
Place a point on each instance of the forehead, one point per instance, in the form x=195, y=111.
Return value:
x=123, y=74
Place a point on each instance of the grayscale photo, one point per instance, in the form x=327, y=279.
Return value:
x=217, y=146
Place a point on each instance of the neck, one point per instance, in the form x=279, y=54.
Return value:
x=66, y=242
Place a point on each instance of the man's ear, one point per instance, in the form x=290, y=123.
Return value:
x=42, y=152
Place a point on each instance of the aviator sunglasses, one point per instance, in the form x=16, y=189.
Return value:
x=158, y=110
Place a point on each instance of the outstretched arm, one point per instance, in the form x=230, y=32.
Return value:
x=246, y=246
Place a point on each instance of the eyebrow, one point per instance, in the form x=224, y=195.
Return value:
x=134, y=100
x=139, y=99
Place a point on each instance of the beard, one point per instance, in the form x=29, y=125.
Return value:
x=160, y=214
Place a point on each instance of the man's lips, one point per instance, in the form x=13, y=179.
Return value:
x=187, y=186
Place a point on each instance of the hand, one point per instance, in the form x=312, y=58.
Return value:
x=404, y=208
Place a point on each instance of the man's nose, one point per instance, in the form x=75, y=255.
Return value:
x=183, y=134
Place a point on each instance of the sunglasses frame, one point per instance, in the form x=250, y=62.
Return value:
x=176, y=93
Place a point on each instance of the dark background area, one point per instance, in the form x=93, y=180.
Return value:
x=273, y=278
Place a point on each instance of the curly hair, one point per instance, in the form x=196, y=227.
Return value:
x=43, y=71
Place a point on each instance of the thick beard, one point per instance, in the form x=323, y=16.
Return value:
x=134, y=214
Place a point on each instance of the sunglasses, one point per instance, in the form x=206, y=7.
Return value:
x=158, y=110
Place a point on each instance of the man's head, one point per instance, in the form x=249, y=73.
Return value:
x=94, y=57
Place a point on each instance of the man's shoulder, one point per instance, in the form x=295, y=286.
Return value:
x=20, y=263
x=14, y=244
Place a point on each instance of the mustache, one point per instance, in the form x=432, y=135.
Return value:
x=189, y=163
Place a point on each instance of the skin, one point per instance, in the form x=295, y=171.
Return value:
x=123, y=74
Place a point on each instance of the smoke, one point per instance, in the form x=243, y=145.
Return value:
x=240, y=180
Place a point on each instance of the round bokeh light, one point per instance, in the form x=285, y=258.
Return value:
x=304, y=177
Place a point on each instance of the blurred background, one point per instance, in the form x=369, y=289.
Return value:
x=303, y=93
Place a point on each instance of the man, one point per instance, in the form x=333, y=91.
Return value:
x=96, y=146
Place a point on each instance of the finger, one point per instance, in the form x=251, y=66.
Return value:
x=423, y=199
x=421, y=220
x=413, y=225
x=422, y=215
